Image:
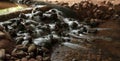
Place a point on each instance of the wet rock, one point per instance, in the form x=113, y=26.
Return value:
x=28, y=22
x=22, y=15
x=25, y=43
x=74, y=25
x=38, y=13
x=19, y=40
x=30, y=27
x=41, y=41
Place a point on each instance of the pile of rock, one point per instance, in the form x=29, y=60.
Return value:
x=35, y=33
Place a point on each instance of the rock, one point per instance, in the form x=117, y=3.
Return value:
x=7, y=56
x=6, y=42
x=21, y=47
x=2, y=35
x=28, y=56
x=17, y=60
x=25, y=42
x=44, y=49
x=13, y=58
x=18, y=53
x=2, y=53
x=21, y=54
x=22, y=15
x=39, y=58
x=19, y=40
x=1, y=28
x=31, y=54
x=46, y=59
x=74, y=59
x=24, y=59
x=31, y=48
x=32, y=59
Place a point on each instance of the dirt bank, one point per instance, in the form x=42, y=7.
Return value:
x=6, y=5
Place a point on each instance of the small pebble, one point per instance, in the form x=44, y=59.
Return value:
x=32, y=59
x=39, y=58
x=24, y=59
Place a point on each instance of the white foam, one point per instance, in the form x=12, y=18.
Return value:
x=73, y=46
